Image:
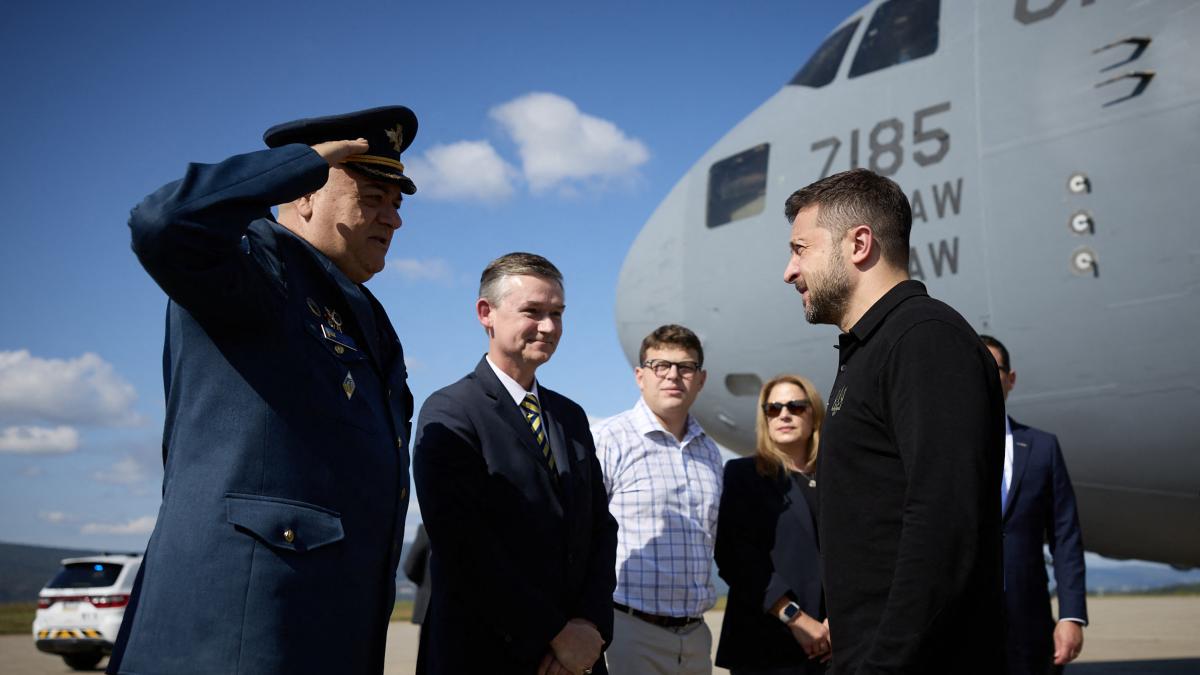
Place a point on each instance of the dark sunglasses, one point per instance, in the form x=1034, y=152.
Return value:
x=772, y=410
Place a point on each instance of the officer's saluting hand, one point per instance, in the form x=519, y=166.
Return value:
x=335, y=152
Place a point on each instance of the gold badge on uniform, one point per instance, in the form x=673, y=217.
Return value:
x=396, y=136
x=348, y=385
x=334, y=320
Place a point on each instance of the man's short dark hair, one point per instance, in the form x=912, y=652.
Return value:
x=859, y=197
x=672, y=335
x=514, y=265
x=989, y=341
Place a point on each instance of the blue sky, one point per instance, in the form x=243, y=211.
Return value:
x=107, y=101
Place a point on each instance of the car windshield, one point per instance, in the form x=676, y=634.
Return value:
x=86, y=575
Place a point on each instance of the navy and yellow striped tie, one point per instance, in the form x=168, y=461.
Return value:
x=533, y=415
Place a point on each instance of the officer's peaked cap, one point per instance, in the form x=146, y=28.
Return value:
x=389, y=131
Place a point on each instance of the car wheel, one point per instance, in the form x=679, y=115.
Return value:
x=83, y=660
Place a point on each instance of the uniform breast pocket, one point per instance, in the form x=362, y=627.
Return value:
x=284, y=524
x=341, y=376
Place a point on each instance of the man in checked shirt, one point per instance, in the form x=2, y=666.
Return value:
x=663, y=477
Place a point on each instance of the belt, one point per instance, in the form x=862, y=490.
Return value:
x=664, y=621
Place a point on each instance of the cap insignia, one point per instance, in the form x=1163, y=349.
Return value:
x=396, y=136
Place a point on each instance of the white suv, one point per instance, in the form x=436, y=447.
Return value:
x=80, y=610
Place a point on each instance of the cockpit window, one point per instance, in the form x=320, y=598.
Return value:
x=737, y=186
x=822, y=67
x=900, y=31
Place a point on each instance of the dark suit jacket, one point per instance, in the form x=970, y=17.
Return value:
x=766, y=547
x=516, y=552
x=261, y=438
x=416, y=568
x=1040, y=509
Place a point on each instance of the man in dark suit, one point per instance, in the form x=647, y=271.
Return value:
x=513, y=499
x=287, y=408
x=1039, y=508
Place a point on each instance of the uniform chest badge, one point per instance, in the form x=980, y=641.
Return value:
x=348, y=385
x=837, y=401
x=313, y=307
x=341, y=341
x=335, y=320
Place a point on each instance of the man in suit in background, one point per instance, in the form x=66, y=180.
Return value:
x=513, y=499
x=1038, y=507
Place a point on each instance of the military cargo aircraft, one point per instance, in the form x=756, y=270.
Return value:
x=1050, y=149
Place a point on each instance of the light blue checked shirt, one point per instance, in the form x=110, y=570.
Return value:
x=664, y=495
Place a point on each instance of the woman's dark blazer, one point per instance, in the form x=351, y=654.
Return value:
x=766, y=547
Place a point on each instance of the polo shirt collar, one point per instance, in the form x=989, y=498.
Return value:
x=883, y=306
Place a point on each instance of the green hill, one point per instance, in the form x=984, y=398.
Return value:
x=25, y=569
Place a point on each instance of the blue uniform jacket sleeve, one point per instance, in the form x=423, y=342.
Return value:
x=1066, y=544
x=188, y=234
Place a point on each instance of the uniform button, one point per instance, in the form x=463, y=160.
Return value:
x=399, y=441
x=289, y=536
x=339, y=349
x=842, y=368
x=389, y=392
x=403, y=493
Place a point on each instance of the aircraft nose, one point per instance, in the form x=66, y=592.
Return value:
x=650, y=287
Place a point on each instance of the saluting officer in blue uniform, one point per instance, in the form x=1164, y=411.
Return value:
x=288, y=414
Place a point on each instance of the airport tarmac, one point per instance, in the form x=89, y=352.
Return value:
x=1128, y=635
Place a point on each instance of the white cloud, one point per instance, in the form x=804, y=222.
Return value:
x=125, y=472
x=82, y=390
x=463, y=170
x=558, y=143
x=38, y=440
x=54, y=517
x=143, y=525
x=415, y=269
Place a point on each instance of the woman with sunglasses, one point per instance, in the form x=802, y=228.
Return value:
x=766, y=547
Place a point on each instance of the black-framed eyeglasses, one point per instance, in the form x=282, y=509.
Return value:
x=797, y=407
x=662, y=367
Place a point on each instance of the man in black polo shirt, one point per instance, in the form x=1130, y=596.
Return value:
x=911, y=449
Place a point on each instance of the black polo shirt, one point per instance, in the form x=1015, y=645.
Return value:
x=910, y=463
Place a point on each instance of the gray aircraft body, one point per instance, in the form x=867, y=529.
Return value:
x=1050, y=149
